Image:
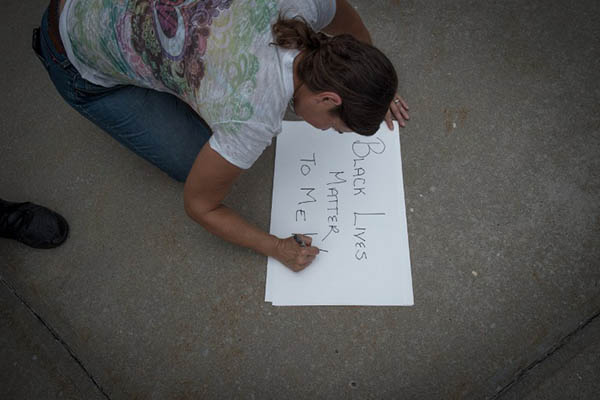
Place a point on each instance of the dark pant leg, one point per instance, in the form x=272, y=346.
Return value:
x=155, y=125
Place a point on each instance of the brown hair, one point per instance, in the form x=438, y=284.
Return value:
x=359, y=73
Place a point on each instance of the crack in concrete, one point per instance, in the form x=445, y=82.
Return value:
x=55, y=335
x=561, y=343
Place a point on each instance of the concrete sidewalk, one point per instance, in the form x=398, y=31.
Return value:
x=501, y=170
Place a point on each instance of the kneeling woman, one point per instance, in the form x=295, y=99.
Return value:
x=199, y=88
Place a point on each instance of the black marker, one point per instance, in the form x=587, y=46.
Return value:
x=302, y=244
x=299, y=241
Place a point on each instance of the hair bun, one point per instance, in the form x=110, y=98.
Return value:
x=318, y=40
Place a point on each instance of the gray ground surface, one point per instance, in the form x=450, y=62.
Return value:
x=502, y=181
x=35, y=364
x=569, y=372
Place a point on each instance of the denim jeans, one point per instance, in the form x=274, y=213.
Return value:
x=155, y=125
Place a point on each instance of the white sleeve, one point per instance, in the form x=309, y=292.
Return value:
x=318, y=13
x=240, y=143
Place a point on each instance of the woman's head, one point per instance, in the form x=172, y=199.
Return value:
x=360, y=75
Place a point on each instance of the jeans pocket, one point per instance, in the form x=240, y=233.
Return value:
x=37, y=47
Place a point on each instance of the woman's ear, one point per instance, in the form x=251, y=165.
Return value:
x=331, y=98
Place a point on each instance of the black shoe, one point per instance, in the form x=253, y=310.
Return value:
x=34, y=225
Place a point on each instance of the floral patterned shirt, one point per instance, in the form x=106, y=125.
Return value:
x=213, y=54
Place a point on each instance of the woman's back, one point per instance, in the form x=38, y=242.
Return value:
x=214, y=55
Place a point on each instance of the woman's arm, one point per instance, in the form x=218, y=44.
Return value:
x=207, y=185
x=347, y=20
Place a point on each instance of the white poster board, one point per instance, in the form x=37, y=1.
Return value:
x=346, y=192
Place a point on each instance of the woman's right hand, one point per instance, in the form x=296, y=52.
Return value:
x=293, y=255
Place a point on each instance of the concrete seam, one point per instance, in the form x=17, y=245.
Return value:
x=561, y=343
x=55, y=335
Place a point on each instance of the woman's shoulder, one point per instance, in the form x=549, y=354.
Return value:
x=318, y=13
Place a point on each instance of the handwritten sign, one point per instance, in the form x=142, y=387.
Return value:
x=346, y=192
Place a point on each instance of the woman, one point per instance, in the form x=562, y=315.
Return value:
x=199, y=87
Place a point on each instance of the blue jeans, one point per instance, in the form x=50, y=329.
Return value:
x=155, y=125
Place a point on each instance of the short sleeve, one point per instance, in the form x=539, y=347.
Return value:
x=318, y=13
x=240, y=143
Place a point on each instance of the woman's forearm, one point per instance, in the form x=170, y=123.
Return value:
x=229, y=225
x=347, y=20
x=357, y=28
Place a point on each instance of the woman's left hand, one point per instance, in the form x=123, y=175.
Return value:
x=398, y=111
